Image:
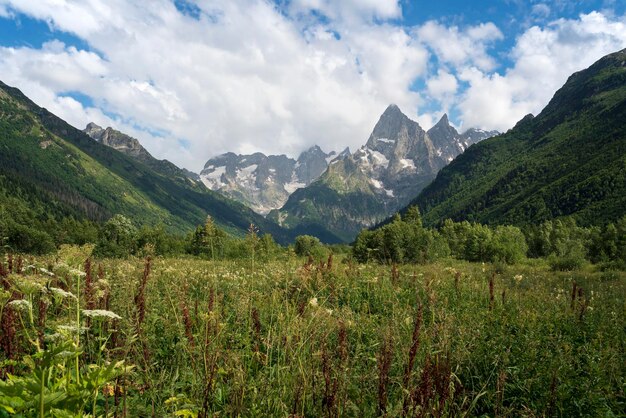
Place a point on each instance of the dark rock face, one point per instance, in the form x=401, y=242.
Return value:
x=130, y=146
x=359, y=190
x=118, y=140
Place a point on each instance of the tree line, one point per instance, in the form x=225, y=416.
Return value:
x=566, y=245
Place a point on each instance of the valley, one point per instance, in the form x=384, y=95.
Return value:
x=448, y=257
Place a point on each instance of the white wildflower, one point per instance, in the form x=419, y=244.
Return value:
x=20, y=304
x=518, y=278
x=313, y=302
x=78, y=273
x=62, y=293
x=70, y=329
x=44, y=271
x=100, y=313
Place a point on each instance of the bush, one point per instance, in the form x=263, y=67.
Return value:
x=507, y=245
x=565, y=263
x=117, y=238
x=307, y=245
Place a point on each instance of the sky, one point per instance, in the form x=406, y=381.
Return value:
x=192, y=79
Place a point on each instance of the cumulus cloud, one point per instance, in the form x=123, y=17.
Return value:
x=442, y=87
x=457, y=46
x=544, y=57
x=253, y=75
x=241, y=76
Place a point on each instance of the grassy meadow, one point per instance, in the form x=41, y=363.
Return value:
x=195, y=338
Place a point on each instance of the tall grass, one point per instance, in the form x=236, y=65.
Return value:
x=298, y=338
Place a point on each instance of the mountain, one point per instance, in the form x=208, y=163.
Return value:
x=131, y=146
x=263, y=182
x=568, y=160
x=449, y=143
x=361, y=189
x=59, y=171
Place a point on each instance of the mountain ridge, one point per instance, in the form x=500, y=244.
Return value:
x=357, y=191
x=49, y=162
x=263, y=182
x=569, y=160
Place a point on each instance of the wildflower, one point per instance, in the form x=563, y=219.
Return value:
x=44, y=271
x=78, y=273
x=61, y=293
x=313, y=302
x=100, y=313
x=518, y=278
x=20, y=304
x=70, y=329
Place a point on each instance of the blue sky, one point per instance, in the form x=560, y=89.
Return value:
x=192, y=79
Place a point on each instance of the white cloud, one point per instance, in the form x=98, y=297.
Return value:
x=456, y=46
x=245, y=77
x=248, y=76
x=540, y=10
x=350, y=9
x=442, y=86
x=544, y=58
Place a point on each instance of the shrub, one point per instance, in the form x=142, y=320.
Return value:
x=306, y=245
x=507, y=245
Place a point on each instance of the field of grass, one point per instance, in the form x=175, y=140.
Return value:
x=285, y=338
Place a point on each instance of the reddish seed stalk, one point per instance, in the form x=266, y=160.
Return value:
x=256, y=325
x=7, y=325
x=3, y=275
x=10, y=262
x=19, y=264
x=188, y=324
x=434, y=385
x=421, y=394
x=395, y=274
x=442, y=382
x=330, y=384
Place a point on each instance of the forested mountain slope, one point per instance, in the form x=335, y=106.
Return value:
x=58, y=171
x=569, y=160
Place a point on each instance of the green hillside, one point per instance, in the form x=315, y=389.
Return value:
x=54, y=170
x=569, y=160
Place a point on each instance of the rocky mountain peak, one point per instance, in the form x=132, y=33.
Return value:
x=91, y=126
x=117, y=140
x=444, y=120
x=264, y=182
x=345, y=153
x=391, y=124
x=443, y=133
